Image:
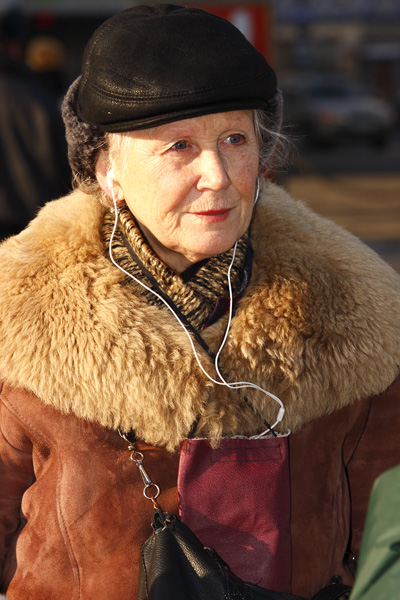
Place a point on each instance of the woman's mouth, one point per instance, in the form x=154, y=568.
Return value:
x=214, y=215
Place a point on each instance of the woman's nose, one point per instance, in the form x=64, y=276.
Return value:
x=212, y=171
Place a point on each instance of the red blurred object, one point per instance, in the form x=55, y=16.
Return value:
x=255, y=21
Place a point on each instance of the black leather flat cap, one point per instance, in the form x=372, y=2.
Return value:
x=150, y=65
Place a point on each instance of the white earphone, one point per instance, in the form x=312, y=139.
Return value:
x=110, y=176
x=257, y=191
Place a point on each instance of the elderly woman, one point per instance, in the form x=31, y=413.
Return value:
x=169, y=299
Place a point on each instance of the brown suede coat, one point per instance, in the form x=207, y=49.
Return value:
x=81, y=354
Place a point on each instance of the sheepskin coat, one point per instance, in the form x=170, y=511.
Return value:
x=82, y=353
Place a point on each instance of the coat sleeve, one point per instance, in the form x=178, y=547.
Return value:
x=377, y=451
x=16, y=475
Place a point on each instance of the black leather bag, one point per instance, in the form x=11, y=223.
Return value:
x=176, y=566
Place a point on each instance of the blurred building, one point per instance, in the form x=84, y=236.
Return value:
x=360, y=38
x=354, y=37
x=34, y=167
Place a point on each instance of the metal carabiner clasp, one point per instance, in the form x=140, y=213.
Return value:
x=145, y=476
x=139, y=463
x=137, y=458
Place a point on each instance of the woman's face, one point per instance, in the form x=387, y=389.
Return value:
x=191, y=184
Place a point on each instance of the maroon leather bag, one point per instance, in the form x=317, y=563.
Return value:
x=236, y=499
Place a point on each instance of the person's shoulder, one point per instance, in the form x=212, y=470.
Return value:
x=286, y=229
x=55, y=253
x=334, y=294
x=290, y=220
x=75, y=212
x=62, y=225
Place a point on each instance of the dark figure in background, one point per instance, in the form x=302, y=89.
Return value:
x=33, y=167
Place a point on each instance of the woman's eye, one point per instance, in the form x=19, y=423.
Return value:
x=235, y=139
x=181, y=145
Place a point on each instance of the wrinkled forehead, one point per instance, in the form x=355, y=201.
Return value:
x=212, y=124
x=206, y=129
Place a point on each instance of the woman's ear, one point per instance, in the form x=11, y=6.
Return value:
x=106, y=180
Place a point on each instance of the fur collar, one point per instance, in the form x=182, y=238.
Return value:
x=318, y=325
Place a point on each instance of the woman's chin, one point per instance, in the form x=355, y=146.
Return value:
x=194, y=247
x=209, y=250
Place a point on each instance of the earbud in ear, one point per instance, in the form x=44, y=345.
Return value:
x=110, y=176
x=257, y=191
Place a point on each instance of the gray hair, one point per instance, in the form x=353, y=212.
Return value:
x=274, y=145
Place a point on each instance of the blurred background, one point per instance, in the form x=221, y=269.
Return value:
x=338, y=65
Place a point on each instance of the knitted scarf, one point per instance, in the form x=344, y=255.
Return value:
x=201, y=293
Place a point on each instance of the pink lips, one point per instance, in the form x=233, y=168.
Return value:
x=214, y=215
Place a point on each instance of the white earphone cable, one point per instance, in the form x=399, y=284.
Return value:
x=234, y=385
